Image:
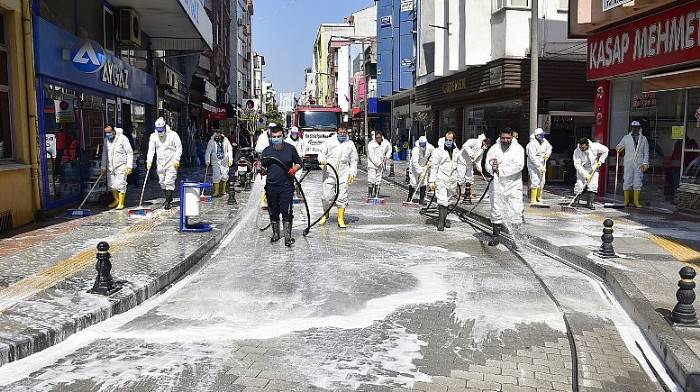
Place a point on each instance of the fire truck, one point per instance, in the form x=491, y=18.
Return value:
x=317, y=124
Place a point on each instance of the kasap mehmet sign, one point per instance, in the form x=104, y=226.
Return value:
x=87, y=56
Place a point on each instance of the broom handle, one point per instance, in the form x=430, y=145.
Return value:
x=617, y=170
x=143, y=188
x=80, y=207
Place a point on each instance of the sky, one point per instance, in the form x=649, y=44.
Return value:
x=284, y=32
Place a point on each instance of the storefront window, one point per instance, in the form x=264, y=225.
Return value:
x=490, y=118
x=448, y=121
x=59, y=12
x=691, y=153
x=5, y=124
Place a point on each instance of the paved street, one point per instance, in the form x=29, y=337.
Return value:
x=361, y=309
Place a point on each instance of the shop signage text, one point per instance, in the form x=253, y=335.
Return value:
x=644, y=100
x=610, y=4
x=116, y=75
x=406, y=5
x=668, y=38
x=385, y=21
x=454, y=85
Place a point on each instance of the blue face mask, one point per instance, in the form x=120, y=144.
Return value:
x=449, y=143
x=422, y=145
x=342, y=138
x=276, y=140
x=109, y=136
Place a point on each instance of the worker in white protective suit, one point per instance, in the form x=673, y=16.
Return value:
x=588, y=158
x=118, y=160
x=447, y=171
x=219, y=155
x=419, y=169
x=167, y=145
x=472, y=152
x=260, y=145
x=378, y=154
x=295, y=139
x=505, y=161
x=636, y=148
x=538, y=152
x=340, y=152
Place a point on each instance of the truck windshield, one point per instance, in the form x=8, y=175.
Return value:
x=319, y=119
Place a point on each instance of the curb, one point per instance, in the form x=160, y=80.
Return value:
x=38, y=340
x=681, y=361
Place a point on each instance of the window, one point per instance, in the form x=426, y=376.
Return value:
x=6, y=146
x=500, y=4
x=60, y=13
x=563, y=5
x=90, y=25
x=108, y=43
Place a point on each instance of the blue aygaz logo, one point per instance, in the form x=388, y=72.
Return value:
x=87, y=56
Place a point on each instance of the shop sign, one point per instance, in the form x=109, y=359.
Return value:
x=87, y=56
x=644, y=100
x=610, y=4
x=454, y=85
x=406, y=5
x=668, y=38
x=219, y=113
x=199, y=18
x=65, y=111
x=385, y=21
x=115, y=74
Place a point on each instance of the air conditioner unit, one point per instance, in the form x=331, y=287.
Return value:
x=129, y=28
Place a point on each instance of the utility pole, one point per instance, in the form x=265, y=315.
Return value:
x=534, y=64
x=364, y=72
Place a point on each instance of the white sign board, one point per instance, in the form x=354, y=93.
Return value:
x=406, y=5
x=314, y=140
x=610, y=4
x=200, y=20
x=286, y=101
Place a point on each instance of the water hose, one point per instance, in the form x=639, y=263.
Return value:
x=298, y=183
x=463, y=216
x=335, y=199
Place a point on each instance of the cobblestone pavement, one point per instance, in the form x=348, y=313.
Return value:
x=389, y=305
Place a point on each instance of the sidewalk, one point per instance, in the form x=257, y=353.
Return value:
x=652, y=246
x=45, y=273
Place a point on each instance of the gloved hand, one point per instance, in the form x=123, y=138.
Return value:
x=619, y=149
x=128, y=171
x=596, y=165
x=292, y=172
x=543, y=169
x=351, y=179
x=148, y=166
x=323, y=164
x=589, y=177
x=230, y=163
x=103, y=171
x=176, y=164
x=645, y=167
x=432, y=186
x=207, y=163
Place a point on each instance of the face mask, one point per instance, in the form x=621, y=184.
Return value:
x=449, y=144
x=160, y=130
x=422, y=145
x=342, y=138
x=109, y=136
x=276, y=140
x=218, y=138
x=294, y=136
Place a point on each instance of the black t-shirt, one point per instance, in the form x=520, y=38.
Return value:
x=276, y=174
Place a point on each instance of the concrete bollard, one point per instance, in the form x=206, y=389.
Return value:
x=684, y=313
x=606, y=250
x=231, y=192
x=104, y=283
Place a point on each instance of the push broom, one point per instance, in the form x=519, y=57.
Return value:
x=614, y=204
x=142, y=211
x=80, y=212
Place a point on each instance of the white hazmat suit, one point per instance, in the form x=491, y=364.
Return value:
x=220, y=156
x=473, y=151
x=636, y=156
x=117, y=157
x=506, y=192
x=420, y=157
x=447, y=171
x=168, y=147
x=343, y=157
x=377, y=157
x=584, y=162
x=300, y=146
x=537, y=155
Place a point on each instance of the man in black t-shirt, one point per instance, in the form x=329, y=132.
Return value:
x=281, y=162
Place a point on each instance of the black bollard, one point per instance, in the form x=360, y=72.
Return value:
x=684, y=312
x=104, y=283
x=391, y=169
x=606, y=250
x=408, y=177
x=231, y=192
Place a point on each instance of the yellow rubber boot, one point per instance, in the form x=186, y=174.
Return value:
x=341, y=218
x=627, y=198
x=324, y=219
x=533, y=196
x=637, y=195
x=121, y=197
x=222, y=187
x=263, y=200
x=216, y=190
x=115, y=196
x=539, y=195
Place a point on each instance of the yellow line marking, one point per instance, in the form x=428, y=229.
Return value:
x=49, y=277
x=682, y=253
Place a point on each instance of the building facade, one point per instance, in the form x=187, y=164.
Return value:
x=241, y=42
x=644, y=61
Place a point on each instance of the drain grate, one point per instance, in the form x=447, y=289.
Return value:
x=5, y=221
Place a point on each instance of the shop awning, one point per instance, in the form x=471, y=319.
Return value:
x=671, y=81
x=173, y=24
